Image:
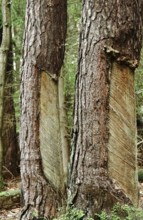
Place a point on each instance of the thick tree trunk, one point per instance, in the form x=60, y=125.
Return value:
x=40, y=140
x=103, y=162
x=5, y=45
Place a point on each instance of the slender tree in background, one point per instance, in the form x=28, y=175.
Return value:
x=4, y=49
x=71, y=57
x=8, y=129
x=9, y=136
x=103, y=162
x=44, y=153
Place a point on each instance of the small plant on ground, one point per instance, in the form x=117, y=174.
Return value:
x=118, y=212
x=124, y=212
x=72, y=214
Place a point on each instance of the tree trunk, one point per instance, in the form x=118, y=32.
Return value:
x=103, y=162
x=5, y=45
x=40, y=138
x=9, y=136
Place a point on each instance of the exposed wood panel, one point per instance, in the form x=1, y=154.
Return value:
x=122, y=125
x=49, y=129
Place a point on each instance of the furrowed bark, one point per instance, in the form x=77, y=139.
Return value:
x=104, y=121
x=40, y=141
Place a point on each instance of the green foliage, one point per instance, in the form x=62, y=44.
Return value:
x=140, y=175
x=71, y=55
x=18, y=15
x=73, y=214
x=118, y=212
x=0, y=16
x=124, y=212
x=35, y=215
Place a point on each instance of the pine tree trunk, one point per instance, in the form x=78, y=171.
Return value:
x=40, y=140
x=103, y=163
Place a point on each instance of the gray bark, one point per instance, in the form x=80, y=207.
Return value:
x=110, y=43
x=40, y=141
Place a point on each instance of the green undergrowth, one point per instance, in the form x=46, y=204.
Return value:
x=73, y=214
x=124, y=212
x=118, y=212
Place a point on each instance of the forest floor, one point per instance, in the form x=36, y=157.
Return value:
x=14, y=212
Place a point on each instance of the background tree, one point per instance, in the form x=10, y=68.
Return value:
x=43, y=181
x=4, y=49
x=104, y=150
x=9, y=137
x=18, y=17
x=71, y=57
